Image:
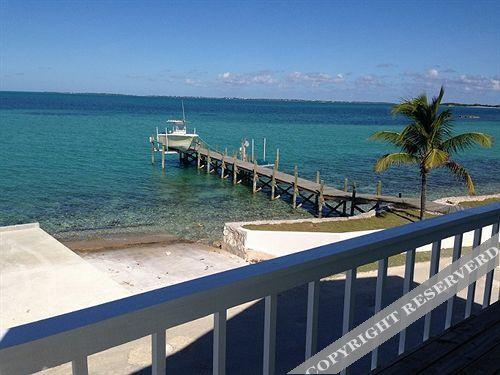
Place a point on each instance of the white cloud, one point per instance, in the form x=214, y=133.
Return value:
x=432, y=73
x=495, y=84
x=368, y=80
x=263, y=77
x=314, y=79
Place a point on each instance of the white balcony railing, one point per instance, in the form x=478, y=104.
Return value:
x=74, y=336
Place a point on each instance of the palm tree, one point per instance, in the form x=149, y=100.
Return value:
x=428, y=142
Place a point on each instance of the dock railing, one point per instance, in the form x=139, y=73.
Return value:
x=74, y=336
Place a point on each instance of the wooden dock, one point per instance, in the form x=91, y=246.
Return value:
x=325, y=200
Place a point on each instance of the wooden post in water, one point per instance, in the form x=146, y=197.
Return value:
x=198, y=159
x=344, y=205
x=379, y=188
x=321, y=200
x=151, y=140
x=254, y=185
x=264, y=150
x=163, y=150
x=222, y=168
x=318, y=181
x=235, y=171
x=295, y=186
x=208, y=161
x=273, y=178
x=353, y=198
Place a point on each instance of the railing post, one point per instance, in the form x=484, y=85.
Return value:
x=407, y=286
x=80, y=366
x=488, y=283
x=379, y=299
x=219, y=355
x=471, y=290
x=312, y=318
x=457, y=253
x=349, y=305
x=434, y=268
x=158, y=353
x=270, y=313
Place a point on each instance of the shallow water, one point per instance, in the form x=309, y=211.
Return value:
x=81, y=163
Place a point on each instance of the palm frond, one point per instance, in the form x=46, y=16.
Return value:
x=397, y=158
x=387, y=136
x=435, y=158
x=467, y=140
x=461, y=174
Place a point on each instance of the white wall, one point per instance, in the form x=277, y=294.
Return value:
x=283, y=243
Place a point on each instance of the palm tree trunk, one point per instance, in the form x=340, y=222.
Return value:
x=423, y=193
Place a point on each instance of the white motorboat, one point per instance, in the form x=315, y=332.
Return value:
x=176, y=136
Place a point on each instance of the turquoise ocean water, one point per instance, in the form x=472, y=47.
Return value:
x=80, y=164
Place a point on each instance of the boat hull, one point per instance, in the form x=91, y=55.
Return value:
x=180, y=142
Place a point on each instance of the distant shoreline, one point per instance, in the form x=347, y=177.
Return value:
x=475, y=105
x=290, y=100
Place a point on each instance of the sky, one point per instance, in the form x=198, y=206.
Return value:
x=321, y=50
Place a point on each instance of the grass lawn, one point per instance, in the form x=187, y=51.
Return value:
x=386, y=220
x=471, y=204
x=424, y=256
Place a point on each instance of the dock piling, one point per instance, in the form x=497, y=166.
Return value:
x=163, y=152
x=273, y=177
x=208, y=161
x=151, y=140
x=353, y=199
x=235, y=170
x=198, y=160
x=264, y=150
x=321, y=200
x=379, y=188
x=295, y=186
x=254, y=182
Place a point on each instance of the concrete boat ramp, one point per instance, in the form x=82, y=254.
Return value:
x=40, y=277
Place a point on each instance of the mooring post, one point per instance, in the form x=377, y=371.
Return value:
x=353, y=198
x=273, y=178
x=253, y=155
x=222, y=168
x=198, y=159
x=151, y=140
x=235, y=171
x=163, y=150
x=318, y=181
x=277, y=163
x=295, y=186
x=208, y=161
x=254, y=185
x=264, y=150
x=344, y=204
x=379, y=188
x=321, y=200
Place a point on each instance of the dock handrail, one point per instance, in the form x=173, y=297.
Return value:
x=76, y=335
